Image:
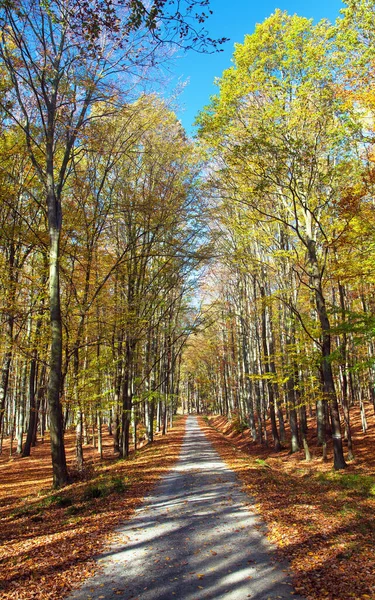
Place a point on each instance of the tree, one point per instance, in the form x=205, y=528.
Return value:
x=285, y=152
x=60, y=62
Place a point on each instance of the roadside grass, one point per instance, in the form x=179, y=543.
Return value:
x=352, y=482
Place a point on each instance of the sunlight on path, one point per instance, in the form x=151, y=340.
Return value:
x=193, y=539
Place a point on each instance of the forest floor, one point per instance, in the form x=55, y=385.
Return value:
x=48, y=539
x=194, y=538
x=322, y=521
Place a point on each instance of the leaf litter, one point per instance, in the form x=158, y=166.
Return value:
x=49, y=538
x=322, y=522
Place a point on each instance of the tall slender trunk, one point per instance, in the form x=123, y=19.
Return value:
x=99, y=423
x=99, y=417
x=257, y=369
x=278, y=410
x=344, y=377
x=21, y=408
x=9, y=324
x=33, y=408
x=327, y=375
x=321, y=420
x=126, y=401
x=5, y=370
x=40, y=403
x=151, y=418
x=293, y=421
x=267, y=369
x=60, y=472
x=118, y=387
x=247, y=383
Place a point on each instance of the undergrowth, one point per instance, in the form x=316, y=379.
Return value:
x=352, y=482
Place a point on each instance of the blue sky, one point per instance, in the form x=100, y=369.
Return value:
x=233, y=19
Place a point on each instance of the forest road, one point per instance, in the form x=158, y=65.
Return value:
x=194, y=538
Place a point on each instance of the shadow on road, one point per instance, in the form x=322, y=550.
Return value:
x=193, y=539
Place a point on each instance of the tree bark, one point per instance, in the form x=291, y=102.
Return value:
x=60, y=472
x=9, y=324
x=33, y=408
x=267, y=369
x=327, y=375
x=343, y=369
x=6, y=368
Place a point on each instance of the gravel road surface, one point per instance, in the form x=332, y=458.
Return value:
x=194, y=538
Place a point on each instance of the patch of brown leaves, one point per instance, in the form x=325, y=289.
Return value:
x=321, y=521
x=48, y=540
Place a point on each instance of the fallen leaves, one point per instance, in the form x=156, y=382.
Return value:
x=325, y=528
x=44, y=558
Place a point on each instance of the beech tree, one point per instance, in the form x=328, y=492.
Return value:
x=61, y=59
x=285, y=152
x=286, y=333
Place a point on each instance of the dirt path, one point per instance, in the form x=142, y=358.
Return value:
x=193, y=539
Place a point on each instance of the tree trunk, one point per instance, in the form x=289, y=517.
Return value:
x=327, y=375
x=100, y=437
x=6, y=366
x=21, y=408
x=267, y=369
x=9, y=324
x=293, y=422
x=343, y=370
x=79, y=426
x=151, y=417
x=60, y=473
x=79, y=446
x=33, y=408
x=126, y=409
x=32, y=404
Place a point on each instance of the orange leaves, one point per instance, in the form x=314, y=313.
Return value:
x=326, y=531
x=44, y=558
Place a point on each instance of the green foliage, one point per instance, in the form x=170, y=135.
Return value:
x=94, y=491
x=23, y=511
x=75, y=509
x=35, y=511
x=61, y=501
x=104, y=487
x=118, y=484
x=352, y=482
x=238, y=425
